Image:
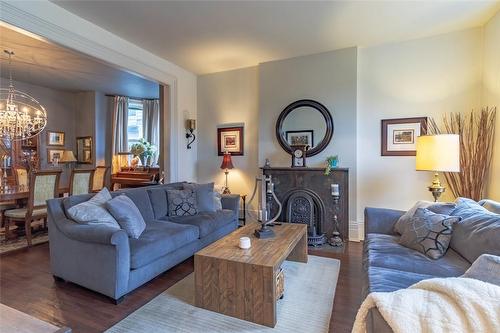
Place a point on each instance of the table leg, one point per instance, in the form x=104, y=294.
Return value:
x=299, y=253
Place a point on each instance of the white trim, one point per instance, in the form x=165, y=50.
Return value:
x=61, y=27
x=354, y=231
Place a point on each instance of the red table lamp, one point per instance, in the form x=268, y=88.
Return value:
x=227, y=164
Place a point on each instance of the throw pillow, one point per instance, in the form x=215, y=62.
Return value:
x=429, y=233
x=478, y=231
x=181, y=203
x=93, y=211
x=127, y=214
x=486, y=268
x=158, y=197
x=437, y=207
x=204, y=195
x=217, y=201
x=492, y=206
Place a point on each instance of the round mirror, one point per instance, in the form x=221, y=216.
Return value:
x=305, y=122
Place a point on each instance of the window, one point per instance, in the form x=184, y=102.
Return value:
x=134, y=127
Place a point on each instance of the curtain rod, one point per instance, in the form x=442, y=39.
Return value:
x=140, y=98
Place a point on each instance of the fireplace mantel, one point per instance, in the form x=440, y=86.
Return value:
x=288, y=181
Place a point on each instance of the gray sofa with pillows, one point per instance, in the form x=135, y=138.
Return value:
x=389, y=265
x=162, y=232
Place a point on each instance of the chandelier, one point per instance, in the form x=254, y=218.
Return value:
x=21, y=116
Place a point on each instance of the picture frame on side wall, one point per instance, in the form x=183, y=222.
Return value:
x=55, y=138
x=230, y=139
x=399, y=136
x=54, y=155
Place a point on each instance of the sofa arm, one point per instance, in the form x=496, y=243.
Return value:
x=231, y=202
x=381, y=220
x=92, y=233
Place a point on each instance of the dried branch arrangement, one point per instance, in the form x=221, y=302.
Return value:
x=477, y=131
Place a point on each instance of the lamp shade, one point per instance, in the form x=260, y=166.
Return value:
x=68, y=156
x=438, y=153
x=227, y=163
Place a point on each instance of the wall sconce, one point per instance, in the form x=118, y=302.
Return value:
x=190, y=126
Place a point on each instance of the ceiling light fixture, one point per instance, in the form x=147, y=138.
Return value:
x=21, y=116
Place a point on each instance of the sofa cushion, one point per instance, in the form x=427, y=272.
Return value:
x=478, y=232
x=127, y=215
x=204, y=196
x=385, y=251
x=492, y=206
x=429, y=233
x=207, y=222
x=158, y=239
x=158, y=197
x=438, y=208
x=380, y=279
x=140, y=198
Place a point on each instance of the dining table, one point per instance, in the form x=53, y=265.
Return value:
x=20, y=193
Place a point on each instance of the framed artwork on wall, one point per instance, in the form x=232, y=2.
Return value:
x=304, y=137
x=55, y=138
x=399, y=136
x=54, y=155
x=230, y=139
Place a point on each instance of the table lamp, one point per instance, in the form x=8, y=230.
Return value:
x=227, y=164
x=438, y=153
x=68, y=157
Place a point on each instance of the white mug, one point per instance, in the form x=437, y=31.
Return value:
x=245, y=243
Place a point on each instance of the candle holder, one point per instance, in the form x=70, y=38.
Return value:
x=336, y=240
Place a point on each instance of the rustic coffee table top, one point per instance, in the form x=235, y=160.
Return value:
x=264, y=252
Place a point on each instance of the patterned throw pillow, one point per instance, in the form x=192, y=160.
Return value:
x=182, y=203
x=429, y=233
x=444, y=208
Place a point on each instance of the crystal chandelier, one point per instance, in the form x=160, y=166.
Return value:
x=21, y=116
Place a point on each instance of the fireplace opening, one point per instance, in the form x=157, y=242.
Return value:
x=304, y=206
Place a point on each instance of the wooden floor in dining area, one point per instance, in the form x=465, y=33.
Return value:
x=26, y=284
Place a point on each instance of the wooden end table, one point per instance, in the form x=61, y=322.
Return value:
x=243, y=283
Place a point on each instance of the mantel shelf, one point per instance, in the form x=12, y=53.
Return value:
x=302, y=169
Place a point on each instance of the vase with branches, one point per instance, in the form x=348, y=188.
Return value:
x=476, y=130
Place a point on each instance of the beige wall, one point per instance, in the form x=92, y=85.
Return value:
x=229, y=97
x=424, y=77
x=491, y=94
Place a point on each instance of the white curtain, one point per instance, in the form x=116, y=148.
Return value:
x=119, y=107
x=151, y=124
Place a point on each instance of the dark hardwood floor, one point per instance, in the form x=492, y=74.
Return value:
x=27, y=285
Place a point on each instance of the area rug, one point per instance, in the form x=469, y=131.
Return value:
x=39, y=236
x=306, y=307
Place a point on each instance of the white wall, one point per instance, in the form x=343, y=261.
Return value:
x=227, y=98
x=491, y=94
x=424, y=77
x=50, y=21
x=329, y=78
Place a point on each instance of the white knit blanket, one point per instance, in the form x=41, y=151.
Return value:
x=437, y=306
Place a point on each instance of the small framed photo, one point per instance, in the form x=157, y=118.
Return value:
x=399, y=136
x=55, y=138
x=305, y=137
x=54, y=155
x=230, y=139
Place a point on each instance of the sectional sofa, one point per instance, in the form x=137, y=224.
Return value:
x=111, y=263
x=389, y=266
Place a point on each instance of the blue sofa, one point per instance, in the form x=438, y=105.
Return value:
x=389, y=266
x=111, y=263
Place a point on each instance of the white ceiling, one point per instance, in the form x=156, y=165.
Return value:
x=211, y=36
x=42, y=63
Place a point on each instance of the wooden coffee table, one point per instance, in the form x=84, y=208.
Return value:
x=243, y=283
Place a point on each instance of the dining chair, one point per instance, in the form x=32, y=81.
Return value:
x=81, y=181
x=21, y=175
x=44, y=187
x=100, y=175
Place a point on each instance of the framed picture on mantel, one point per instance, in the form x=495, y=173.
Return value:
x=399, y=136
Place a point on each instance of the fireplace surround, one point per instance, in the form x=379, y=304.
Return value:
x=306, y=196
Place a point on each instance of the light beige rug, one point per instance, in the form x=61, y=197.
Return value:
x=307, y=306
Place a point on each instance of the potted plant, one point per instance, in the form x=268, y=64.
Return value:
x=147, y=153
x=331, y=162
x=137, y=149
